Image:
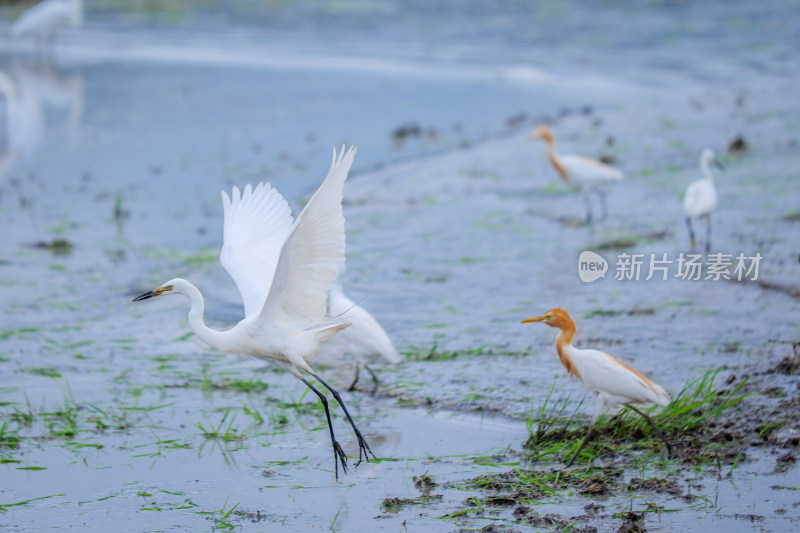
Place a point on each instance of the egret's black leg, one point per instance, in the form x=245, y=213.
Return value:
x=580, y=448
x=670, y=451
x=603, y=204
x=708, y=233
x=374, y=380
x=352, y=386
x=338, y=453
x=363, y=447
x=588, y=201
x=692, y=242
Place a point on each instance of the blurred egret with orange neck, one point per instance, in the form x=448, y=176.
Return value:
x=585, y=173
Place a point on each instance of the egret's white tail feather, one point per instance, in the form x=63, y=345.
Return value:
x=329, y=331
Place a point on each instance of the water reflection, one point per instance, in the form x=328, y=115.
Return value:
x=35, y=101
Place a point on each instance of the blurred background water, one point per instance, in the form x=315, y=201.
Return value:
x=185, y=93
x=117, y=138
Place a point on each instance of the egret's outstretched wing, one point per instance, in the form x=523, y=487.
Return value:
x=309, y=257
x=257, y=222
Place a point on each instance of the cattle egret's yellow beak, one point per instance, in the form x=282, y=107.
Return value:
x=534, y=319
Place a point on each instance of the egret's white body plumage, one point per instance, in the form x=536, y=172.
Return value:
x=44, y=18
x=365, y=336
x=616, y=384
x=700, y=198
x=587, y=174
x=284, y=270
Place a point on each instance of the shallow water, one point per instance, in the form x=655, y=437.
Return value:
x=453, y=238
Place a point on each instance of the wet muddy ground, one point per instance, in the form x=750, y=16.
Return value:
x=113, y=417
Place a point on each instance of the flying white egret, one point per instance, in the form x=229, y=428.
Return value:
x=700, y=198
x=43, y=19
x=283, y=270
x=364, y=337
x=583, y=172
x=616, y=384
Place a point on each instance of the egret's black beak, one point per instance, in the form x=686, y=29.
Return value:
x=145, y=296
x=719, y=165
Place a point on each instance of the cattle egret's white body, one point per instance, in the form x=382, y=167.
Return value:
x=587, y=174
x=615, y=383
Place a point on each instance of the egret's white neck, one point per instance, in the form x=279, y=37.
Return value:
x=705, y=168
x=215, y=339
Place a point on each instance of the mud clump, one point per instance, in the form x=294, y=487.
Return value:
x=525, y=514
x=424, y=484
x=632, y=523
x=790, y=364
x=595, y=486
x=739, y=144
x=58, y=247
x=655, y=485
x=392, y=505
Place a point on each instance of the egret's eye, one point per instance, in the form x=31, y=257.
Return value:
x=168, y=287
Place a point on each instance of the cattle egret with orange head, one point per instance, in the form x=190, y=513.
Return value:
x=616, y=384
x=284, y=270
x=585, y=173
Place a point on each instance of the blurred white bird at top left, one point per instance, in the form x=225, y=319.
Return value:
x=28, y=94
x=43, y=19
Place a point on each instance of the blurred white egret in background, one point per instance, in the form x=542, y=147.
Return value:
x=616, y=384
x=284, y=270
x=583, y=172
x=700, y=198
x=364, y=337
x=42, y=20
x=27, y=93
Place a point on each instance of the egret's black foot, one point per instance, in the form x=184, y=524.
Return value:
x=338, y=454
x=363, y=449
